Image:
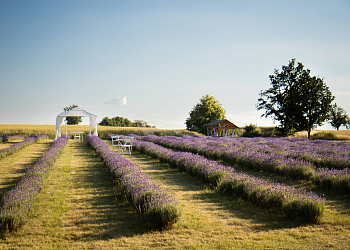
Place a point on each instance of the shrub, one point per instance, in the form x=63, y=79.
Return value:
x=324, y=136
x=251, y=130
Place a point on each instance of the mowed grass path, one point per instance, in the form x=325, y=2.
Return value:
x=80, y=208
x=14, y=166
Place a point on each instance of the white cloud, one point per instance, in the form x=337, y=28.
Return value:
x=118, y=101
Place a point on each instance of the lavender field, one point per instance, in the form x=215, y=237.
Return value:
x=177, y=192
x=325, y=163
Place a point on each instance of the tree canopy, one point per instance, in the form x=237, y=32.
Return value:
x=207, y=110
x=297, y=100
x=73, y=120
x=120, y=121
x=338, y=117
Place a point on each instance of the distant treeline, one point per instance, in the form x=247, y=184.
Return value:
x=120, y=121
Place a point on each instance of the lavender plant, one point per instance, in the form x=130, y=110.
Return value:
x=295, y=203
x=157, y=204
x=333, y=179
x=17, y=202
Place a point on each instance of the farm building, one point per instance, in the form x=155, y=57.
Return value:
x=224, y=125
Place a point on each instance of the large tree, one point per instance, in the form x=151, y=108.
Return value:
x=338, y=117
x=73, y=120
x=207, y=110
x=296, y=100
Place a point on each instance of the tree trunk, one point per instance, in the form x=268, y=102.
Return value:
x=309, y=133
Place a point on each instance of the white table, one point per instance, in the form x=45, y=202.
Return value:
x=124, y=144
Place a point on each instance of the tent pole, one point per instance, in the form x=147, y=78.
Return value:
x=66, y=125
x=90, y=123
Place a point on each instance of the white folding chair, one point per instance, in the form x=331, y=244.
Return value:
x=116, y=141
x=126, y=145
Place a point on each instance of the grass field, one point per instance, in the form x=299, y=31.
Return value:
x=81, y=208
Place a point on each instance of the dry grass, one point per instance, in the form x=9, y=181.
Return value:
x=80, y=208
x=5, y=145
x=341, y=134
x=28, y=130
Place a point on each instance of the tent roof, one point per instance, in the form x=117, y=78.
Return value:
x=225, y=123
x=76, y=112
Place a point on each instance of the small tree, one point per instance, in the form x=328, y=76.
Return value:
x=207, y=110
x=338, y=117
x=73, y=120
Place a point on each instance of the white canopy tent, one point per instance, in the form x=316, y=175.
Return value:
x=77, y=112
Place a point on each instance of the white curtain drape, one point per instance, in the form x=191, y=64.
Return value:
x=93, y=123
x=59, y=123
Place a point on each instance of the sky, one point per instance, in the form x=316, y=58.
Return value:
x=154, y=60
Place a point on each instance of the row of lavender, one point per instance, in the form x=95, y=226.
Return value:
x=322, y=153
x=333, y=179
x=294, y=203
x=149, y=199
x=19, y=145
x=5, y=138
x=17, y=202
